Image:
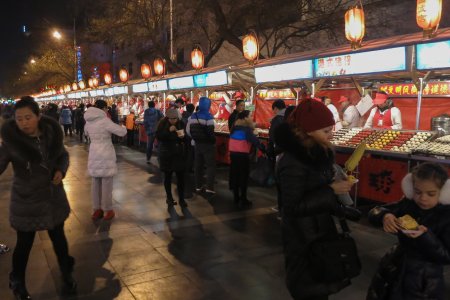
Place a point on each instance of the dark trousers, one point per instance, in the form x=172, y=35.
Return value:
x=150, y=142
x=67, y=128
x=180, y=184
x=188, y=178
x=130, y=137
x=81, y=132
x=205, y=157
x=24, y=244
x=239, y=172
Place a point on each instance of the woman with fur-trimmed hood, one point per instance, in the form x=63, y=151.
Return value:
x=33, y=144
x=240, y=145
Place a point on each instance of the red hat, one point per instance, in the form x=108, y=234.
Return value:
x=380, y=98
x=238, y=95
x=343, y=99
x=311, y=115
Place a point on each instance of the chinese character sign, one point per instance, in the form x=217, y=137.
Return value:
x=409, y=89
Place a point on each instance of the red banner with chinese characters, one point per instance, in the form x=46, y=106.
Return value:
x=409, y=89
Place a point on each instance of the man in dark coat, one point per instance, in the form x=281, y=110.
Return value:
x=34, y=145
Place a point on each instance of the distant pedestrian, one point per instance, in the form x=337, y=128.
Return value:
x=241, y=140
x=152, y=116
x=52, y=111
x=129, y=123
x=200, y=128
x=66, y=120
x=34, y=145
x=80, y=122
x=172, y=154
x=102, y=158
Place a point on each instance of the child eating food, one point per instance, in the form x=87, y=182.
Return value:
x=421, y=220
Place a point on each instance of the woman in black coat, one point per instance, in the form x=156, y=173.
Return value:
x=33, y=144
x=172, y=154
x=414, y=270
x=308, y=192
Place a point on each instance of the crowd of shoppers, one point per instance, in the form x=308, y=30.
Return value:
x=301, y=156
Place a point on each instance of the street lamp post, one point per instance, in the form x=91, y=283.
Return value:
x=57, y=35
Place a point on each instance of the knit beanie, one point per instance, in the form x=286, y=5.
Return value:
x=311, y=115
x=172, y=113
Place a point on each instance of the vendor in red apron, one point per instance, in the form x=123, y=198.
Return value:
x=384, y=115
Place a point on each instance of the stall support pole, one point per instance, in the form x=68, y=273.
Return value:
x=419, y=103
x=252, y=93
x=164, y=103
x=313, y=87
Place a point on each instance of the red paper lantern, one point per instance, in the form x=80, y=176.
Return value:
x=428, y=16
x=197, y=58
x=146, y=71
x=159, y=66
x=355, y=27
x=74, y=86
x=82, y=85
x=90, y=83
x=107, y=78
x=95, y=82
x=123, y=75
x=61, y=90
x=250, y=47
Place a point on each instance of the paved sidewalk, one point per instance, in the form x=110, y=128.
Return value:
x=211, y=250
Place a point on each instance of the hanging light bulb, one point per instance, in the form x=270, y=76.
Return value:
x=159, y=65
x=146, y=71
x=250, y=47
x=197, y=58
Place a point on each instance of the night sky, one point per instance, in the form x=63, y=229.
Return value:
x=39, y=16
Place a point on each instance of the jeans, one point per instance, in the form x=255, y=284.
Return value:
x=205, y=157
x=25, y=243
x=150, y=142
x=67, y=128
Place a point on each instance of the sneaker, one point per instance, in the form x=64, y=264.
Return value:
x=109, y=215
x=98, y=214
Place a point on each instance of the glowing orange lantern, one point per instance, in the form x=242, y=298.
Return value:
x=95, y=82
x=250, y=47
x=146, y=71
x=159, y=66
x=197, y=58
x=355, y=26
x=123, y=75
x=61, y=90
x=428, y=16
x=107, y=78
x=74, y=86
x=82, y=85
x=90, y=83
x=67, y=88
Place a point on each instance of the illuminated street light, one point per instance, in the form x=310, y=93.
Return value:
x=57, y=35
x=32, y=61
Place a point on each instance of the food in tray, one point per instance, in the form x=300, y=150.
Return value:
x=444, y=139
x=409, y=223
x=387, y=140
x=434, y=148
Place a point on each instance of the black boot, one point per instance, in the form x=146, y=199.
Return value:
x=18, y=288
x=70, y=285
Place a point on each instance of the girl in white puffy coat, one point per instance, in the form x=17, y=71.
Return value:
x=102, y=158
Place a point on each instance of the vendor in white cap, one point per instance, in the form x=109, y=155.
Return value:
x=350, y=114
x=384, y=115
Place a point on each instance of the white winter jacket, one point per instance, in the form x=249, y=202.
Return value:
x=102, y=156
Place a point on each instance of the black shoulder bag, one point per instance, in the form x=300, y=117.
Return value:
x=334, y=257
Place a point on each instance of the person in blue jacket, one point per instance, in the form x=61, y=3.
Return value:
x=152, y=116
